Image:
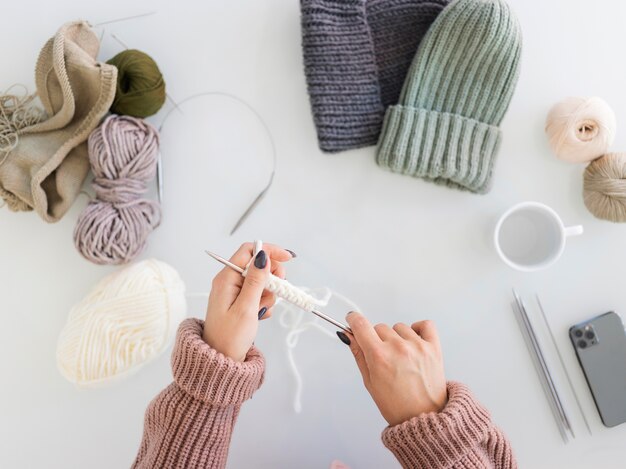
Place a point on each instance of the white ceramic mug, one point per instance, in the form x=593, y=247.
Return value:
x=531, y=236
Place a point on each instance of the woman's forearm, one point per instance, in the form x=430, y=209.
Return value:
x=189, y=424
x=462, y=435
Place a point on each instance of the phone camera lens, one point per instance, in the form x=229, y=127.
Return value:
x=590, y=335
x=578, y=333
x=582, y=344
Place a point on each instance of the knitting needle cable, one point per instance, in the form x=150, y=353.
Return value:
x=546, y=369
x=262, y=194
x=270, y=137
x=569, y=379
x=540, y=371
x=319, y=314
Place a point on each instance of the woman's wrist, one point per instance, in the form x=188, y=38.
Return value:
x=233, y=355
x=208, y=375
x=462, y=423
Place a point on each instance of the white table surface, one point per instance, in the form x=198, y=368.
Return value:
x=401, y=248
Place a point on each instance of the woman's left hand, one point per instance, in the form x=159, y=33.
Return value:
x=236, y=304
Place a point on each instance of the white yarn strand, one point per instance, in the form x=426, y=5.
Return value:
x=293, y=318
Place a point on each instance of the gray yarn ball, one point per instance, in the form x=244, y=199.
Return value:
x=604, y=187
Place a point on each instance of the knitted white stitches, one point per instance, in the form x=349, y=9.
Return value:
x=294, y=295
x=283, y=289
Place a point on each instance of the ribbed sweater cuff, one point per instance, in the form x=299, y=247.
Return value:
x=441, y=439
x=445, y=148
x=341, y=73
x=208, y=375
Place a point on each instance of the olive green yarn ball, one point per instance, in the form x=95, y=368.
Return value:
x=140, y=86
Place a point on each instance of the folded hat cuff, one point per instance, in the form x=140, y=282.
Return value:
x=444, y=148
x=341, y=73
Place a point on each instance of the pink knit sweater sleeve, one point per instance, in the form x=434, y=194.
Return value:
x=462, y=435
x=189, y=424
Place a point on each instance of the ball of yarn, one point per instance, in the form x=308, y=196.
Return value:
x=127, y=319
x=114, y=228
x=604, y=187
x=580, y=129
x=140, y=86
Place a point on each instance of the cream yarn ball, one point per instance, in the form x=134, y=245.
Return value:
x=604, y=187
x=128, y=319
x=580, y=129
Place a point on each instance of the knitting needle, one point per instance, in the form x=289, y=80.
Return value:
x=225, y=262
x=160, y=177
x=319, y=314
x=117, y=20
x=253, y=205
x=569, y=380
x=544, y=374
x=544, y=366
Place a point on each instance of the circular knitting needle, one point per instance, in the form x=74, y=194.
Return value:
x=319, y=314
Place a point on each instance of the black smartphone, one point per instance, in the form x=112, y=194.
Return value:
x=600, y=345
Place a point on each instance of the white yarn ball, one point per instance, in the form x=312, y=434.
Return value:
x=128, y=319
x=580, y=129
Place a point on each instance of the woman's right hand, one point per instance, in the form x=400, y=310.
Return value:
x=402, y=367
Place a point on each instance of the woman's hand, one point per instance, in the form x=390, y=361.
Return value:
x=236, y=304
x=402, y=367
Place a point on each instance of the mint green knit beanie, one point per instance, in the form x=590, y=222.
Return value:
x=445, y=127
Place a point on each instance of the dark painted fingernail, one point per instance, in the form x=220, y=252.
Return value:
x=262, y=311
x=260, y=261
x=343, y=337
x=293, y=254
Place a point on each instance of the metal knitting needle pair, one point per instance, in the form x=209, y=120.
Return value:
x=324, y=316
x=556, y=405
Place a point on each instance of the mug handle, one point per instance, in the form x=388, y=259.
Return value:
x=573, y=230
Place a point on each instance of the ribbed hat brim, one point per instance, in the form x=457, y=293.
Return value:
x=445, y=148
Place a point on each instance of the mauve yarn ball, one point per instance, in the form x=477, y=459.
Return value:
x=114, y=228
x=604, y=187
x=140, y=87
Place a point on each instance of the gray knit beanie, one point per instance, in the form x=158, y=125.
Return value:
x=356, y=56
x=445, y=127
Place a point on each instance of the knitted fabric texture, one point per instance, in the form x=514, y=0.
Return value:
x=189, y=424
x=445, y=127
x=460, y=436
x=356, y=56
x=46, y=169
